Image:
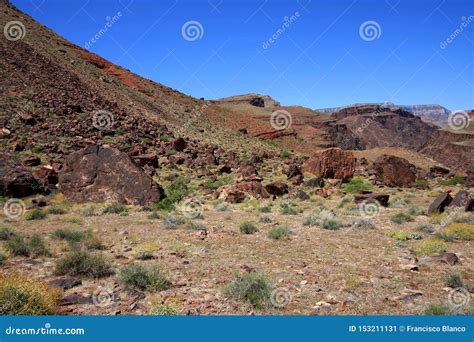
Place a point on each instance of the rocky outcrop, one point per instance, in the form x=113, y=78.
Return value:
x=440, y=203
x=332, y=163
x=256, y=100
x=101, y=174
x=381, y=198
x=393, y=171
x=277, y=188
x=463, y=199
x=237, y=193
x=15, y=179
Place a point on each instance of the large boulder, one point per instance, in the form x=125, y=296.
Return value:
x=441, y=202
x=236, y=193
x=332, y=163
x=393, y=171
x=101, y=174
x=277, y=188
x=370, y=197
x=15, y=179
x=463, y=199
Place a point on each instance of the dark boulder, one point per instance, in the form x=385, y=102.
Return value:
x=381, y=198
x=277, y=188
x=441, y=202
x=393, y=171
x=180, y=144
x=463, y=199
x=315, y=183
x=15, y=179
x=101, y=174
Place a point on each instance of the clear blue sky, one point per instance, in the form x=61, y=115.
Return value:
x=320, y=60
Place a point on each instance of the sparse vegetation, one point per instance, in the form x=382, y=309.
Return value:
x=330, y=224
x=172, y=222
x=144, y=278
x=163, y=310
x=436, y=310
x=248, y=228
x=265, y=209
x=35, y=214
x=279, y=233
x=56, y=210
x=356, y=186
x=6, y=233
x=115, y=208
x=153, y=216
x=288, y=209
x=265, y=219
x=83, y=264
x=17, y=246
x=454, y=280
x=431, y=246
x=310, y=220
x=23, y=295
x=461, y=231
x=252, y=287
x=401, y=218
x=455, y=180
x=37, y=247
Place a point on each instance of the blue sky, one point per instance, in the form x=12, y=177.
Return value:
x=322, y=58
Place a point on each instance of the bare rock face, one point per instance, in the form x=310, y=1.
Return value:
x=332, y=163
x=101, y=174
x=393, y=171
x=441, y=202
x=237, y=193
x=15, y=179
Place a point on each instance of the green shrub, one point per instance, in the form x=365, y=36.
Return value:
x=330, y=224
x=37, y=247
x=196, y=226
x=436, y=310
x=431, y=246
x=115, y=208
x=265, y=219
x=356, y=186
x=164, y=138
x=364, y=224
x=6, y=233
x=71, y=236
x=401, y=218
x=90, y=210
x=17, y=246
x=83, y=264
x=279, y=232
x=461, y=231
x=421, y=183
x=172, y=222
x=285, y=154
x=136, y=276
x=454, y=280
x=56, y=210
x=253, y=288
x=3, y=258
x=453, y=181
x=287, y=209
x=265, y=209
x=163, y=310
x=214, y=185
x=35, y=214
x=248, y=228
x=23, y=295
x=165, y=205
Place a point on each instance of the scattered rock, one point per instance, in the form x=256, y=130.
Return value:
x=444, y=258
x=381, y=198
x=393, y=171
x=441, y=202
x=332, y=163
x=149, y=159
x=315, y=183
x=100, y=174
x=300, y=194
x=277, y=188
x=237, y=193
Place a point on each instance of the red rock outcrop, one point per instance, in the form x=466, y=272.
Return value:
x=332, y=163
x=393, y=171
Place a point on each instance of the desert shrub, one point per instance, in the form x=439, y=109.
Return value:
x=436, y=219
x=222, y=207
x=253, y=288
x=177, y=190
x=164, y=138
x=145, y=251
x=153, y=216
x=37, y=247
x=287, y=209
x=445, y=237
x=404, y=236
x=92, y=242
x=356, y=186
x=265, y=209
x=17, y=246
x=23, y=295
x=415, y=211
x=453, y=181
x=74, y=220
x=35, y=214
x=172, y=222
x=56, y=210
x=464, y=218
x=136, y=276
x=425, y=228
x=330, y=224
x=285, y=154
x=310, y=220
x=421, y=183
x=364, y=224
x=214, y=185
x=115, y=208
x=279, y=233
x=71, y=236
x=196, y=226
x=248, y=228
x=461, y=231
x=6, y=233
x=436, y=310
x=3, y=258
x=265, y=219
x=347, y=202
x=90, y=210
x=401, y=218
x=83, y=264
x=431, y=246
x=454, y=280
x=163, y=310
